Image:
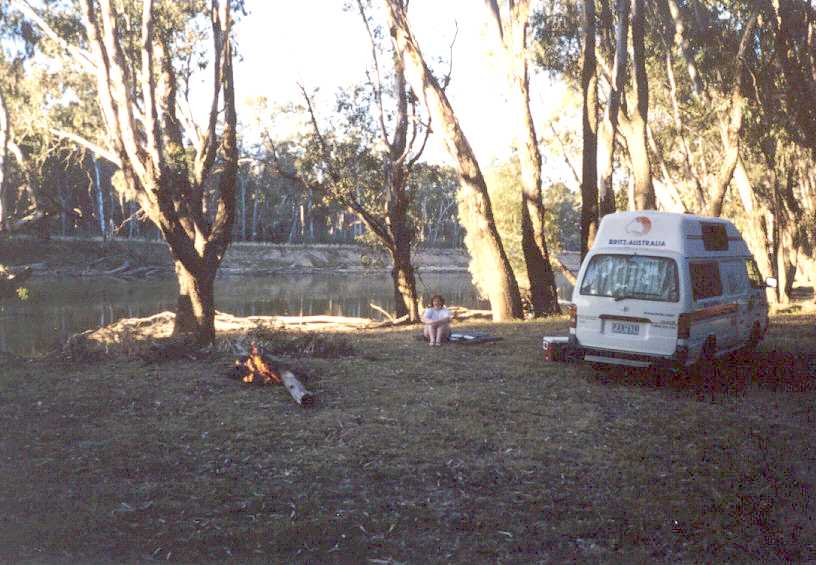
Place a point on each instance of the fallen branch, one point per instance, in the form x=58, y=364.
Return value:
x=391, y=322
x=462, y=313
x=564, y=270
x=22, y=223
x=302, y=320
x=382, y=311
x=296, y=389
x=120, y=269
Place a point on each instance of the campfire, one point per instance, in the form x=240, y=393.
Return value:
x=253, y=368
x=256, y=368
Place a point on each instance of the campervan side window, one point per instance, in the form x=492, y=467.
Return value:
x=705, y=280
x=734, y=277
x=632, y=276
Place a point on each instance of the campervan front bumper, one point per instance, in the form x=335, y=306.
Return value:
x=674, y=362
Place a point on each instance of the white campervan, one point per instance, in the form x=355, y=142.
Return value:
x=664, y=289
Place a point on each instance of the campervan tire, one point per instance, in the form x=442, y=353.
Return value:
x=753, y=341
x=707, y=366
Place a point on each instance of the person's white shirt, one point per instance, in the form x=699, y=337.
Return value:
x=435, y=314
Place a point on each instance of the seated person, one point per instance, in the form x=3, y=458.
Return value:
x=437, y=321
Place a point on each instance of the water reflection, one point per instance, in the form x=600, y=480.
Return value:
x=58, y=309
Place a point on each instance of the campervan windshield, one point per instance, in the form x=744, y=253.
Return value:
x=632, y=276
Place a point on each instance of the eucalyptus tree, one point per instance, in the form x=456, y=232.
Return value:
x=635, y=118
x=511, y=21
x=793, y=29
x=589, y=129
x=5, y=133
x=19, y=117
x=736, y=75
x=728, y=86
x=369, y=165
x=131, y=51
x=489, y=260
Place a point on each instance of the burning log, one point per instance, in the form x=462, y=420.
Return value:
x=259, y=369
x=255, y=368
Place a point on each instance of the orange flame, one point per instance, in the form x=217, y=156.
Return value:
x=260, y=369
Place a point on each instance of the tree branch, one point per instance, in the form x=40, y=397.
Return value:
x=374, y=222
x=84, y=58
x=120, y=85
x=204, y=159
x=446, y=80
x=82, y=142
x=495, y=13
x=377, y=87
x=575, y=174
x=151, y=124
x=221, y=232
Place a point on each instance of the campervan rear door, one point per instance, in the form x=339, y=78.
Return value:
x=628, y=303
x=737, y=291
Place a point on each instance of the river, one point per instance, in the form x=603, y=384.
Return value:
x=56, y=309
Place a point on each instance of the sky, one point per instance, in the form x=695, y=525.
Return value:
x=320, y=45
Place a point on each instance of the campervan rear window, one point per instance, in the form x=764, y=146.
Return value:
x=632, y=276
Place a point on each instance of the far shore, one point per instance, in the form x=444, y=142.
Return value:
x=140, y=258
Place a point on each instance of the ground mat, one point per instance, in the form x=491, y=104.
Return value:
x=467, y=338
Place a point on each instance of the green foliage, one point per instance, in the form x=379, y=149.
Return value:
x=504, y=186
x=556, y=34
x=23, y=294
x=562, y=218
x=561, y=221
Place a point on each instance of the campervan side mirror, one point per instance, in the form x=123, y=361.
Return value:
x=770, y=282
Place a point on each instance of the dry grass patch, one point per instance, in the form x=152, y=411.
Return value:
x=458, y=453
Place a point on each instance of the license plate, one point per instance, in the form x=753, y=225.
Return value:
x=624, y=328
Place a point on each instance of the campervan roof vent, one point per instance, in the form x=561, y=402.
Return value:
x=715, y=237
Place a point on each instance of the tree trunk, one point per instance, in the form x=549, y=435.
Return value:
x=484, y=242
x=589, y=88
x=682, y=44
x=195, y=310
x=100, y=200
x=785, y=262
x=5, y=132
x=607, y=131
x=606, y=167
x=636, y=140
x=543, y=290
x=242, y=181
x=756, y=233
x=406, y=299
x=730, y=130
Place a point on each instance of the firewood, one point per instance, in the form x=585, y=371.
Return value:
x=256, y=368
x=296, y=389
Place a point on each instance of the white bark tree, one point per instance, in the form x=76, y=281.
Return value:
x=144, y=136
x=483, y=240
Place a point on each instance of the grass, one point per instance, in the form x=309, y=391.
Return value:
x=412, y=454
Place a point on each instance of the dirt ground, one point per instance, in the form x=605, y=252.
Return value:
x=411, y=454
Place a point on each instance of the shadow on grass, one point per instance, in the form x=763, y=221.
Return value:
x=777, y=371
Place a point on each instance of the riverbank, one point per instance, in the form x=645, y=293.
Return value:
x=140, y=258
x=451, y=454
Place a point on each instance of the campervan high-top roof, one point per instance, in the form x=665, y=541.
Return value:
x=647, y=231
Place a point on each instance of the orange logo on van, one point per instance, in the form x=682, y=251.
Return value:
x=639, y=226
